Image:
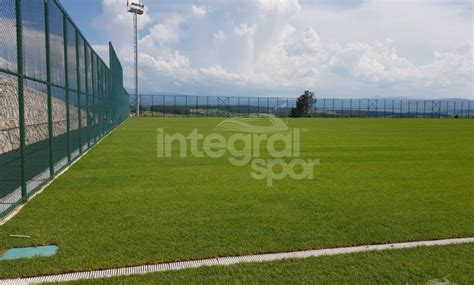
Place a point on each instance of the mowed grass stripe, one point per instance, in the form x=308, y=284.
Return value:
x=379, y=181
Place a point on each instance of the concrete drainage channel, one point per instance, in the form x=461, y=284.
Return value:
x=125, y=271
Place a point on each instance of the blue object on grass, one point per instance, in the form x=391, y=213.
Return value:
x=30, y=252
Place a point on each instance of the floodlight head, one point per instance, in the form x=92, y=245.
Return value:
x=134, y=6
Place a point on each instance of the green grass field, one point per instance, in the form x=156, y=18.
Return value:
x=378, y=181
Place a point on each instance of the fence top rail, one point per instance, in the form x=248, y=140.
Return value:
x=317, y=99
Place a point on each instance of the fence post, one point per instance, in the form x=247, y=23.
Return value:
x=66, y=81
x=152, y=109
x=21, y=97
x=384, y=108
x=424, y=109
x=401, y=108
x=350, y=109
x=163, y=107
x=95, y=79
x=342, y=108
x=469, y=109
x=48, y=84
x=101, y=97
x=368, y=108
x=268, y=105
x=376, y=108
x=86, y=70
x=359, y=107
x=462, y=107
x=278, y=108
x=334, y=107
x=393, y=108
x=79, y=115
x=324, y=107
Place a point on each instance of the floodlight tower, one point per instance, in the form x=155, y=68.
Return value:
x=136, y=8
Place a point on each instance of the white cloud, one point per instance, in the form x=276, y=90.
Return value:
x=167, y=31
x=279, y=6
x=245, y=30
x=199, y=10
x=267, y=46
x=220, y=35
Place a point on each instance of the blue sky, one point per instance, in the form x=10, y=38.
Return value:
x=341, y=49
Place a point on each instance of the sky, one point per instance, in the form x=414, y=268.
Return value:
x=338, y=49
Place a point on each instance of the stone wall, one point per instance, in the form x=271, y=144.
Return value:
x=36, y=115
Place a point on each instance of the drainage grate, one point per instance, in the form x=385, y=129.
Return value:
x=227, y=261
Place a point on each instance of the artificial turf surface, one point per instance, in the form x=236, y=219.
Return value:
x=378, y=181
x=425, y=265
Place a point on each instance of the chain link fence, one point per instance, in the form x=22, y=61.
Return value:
x=57, y=96
x=208, y=106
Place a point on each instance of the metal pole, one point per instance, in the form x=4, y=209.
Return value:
x=135, y=48
x=342, y=108
x=424, y=109
x=376, y=108
x=401, y=107
x=393, y=108
x=93, y=98
x=21, y=97
x=384, y=107
x=238, y=106
x=324, y=107
x=368, y=108
x=350, y=109
x=66, y=77
x=79, y=115
x=333, y=107
x=48, y=84
x=268, y=105
x=86, y=70
x=359, y=107
x=258, y=106
x=469, y=109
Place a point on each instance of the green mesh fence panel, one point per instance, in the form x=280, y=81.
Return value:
x=8, y=36
x=34, y=43
x=56, y=38
x=57, y=97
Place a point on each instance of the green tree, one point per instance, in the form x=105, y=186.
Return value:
x=303, y=105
